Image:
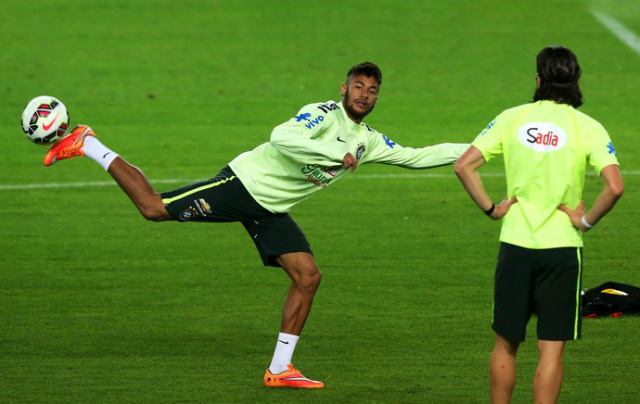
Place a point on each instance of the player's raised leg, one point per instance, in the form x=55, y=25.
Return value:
x=134, y=183
x=305, y=279
x=82, y=141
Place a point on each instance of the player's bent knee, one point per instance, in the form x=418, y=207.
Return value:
x=303, y=271
x=310, y=279
x=154, y=213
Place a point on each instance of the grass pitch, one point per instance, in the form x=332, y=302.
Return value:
x=99, y=306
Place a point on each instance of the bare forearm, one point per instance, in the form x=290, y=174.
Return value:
x=607, y=199
x=610, y=194
x=603, y=204
x=472, y=183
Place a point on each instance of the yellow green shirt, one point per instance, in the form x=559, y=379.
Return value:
x=304, y=155
x=546, y=148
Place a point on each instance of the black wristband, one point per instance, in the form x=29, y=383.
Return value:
x=489, y=211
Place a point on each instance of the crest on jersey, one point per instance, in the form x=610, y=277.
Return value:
x=360, y=151
x=188, y=214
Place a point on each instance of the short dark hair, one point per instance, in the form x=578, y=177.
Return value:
x=366, y=69
x=559, y=72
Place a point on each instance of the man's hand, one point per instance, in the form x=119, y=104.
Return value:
x=348, y=161
x=501, y=210
x=575, y=215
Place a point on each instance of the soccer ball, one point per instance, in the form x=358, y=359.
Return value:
x=45, y=120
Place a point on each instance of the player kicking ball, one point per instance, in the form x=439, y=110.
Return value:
x=318, y=146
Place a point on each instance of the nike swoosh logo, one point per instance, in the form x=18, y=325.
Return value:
x=106, y=154
x=47, y=127
x=340, y=140
x=284, y=342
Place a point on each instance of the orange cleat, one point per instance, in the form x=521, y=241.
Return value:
x=290, y=378
x=69, y=146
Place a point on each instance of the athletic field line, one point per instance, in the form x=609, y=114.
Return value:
x=623, y=33
x=185, y=181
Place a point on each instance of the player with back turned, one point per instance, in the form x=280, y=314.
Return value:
x=546, y=146
x=318, y=146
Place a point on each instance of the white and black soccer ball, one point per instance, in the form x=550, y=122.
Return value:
x=45, y=120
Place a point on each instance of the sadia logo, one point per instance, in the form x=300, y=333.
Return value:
x=542, y=136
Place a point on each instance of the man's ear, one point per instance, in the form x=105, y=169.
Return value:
x=343, y=89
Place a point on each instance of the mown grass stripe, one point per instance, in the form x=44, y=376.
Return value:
x=623, y=33
x=185, y=181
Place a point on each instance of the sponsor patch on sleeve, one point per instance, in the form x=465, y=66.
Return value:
x=484, y=132
x=309, y=120
x=388, y=141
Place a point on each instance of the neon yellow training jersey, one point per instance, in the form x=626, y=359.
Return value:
x=546, y=147
x=304, y=155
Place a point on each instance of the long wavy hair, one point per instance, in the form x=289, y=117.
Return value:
x=559, y=72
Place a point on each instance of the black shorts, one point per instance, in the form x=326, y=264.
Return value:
x=224, y=199
x=546, y=282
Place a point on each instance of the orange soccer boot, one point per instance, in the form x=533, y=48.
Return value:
x=290, y=378
x=69, y=146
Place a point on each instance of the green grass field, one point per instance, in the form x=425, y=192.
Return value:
x=99, y=306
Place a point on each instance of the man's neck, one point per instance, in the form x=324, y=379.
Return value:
x=346, y=111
